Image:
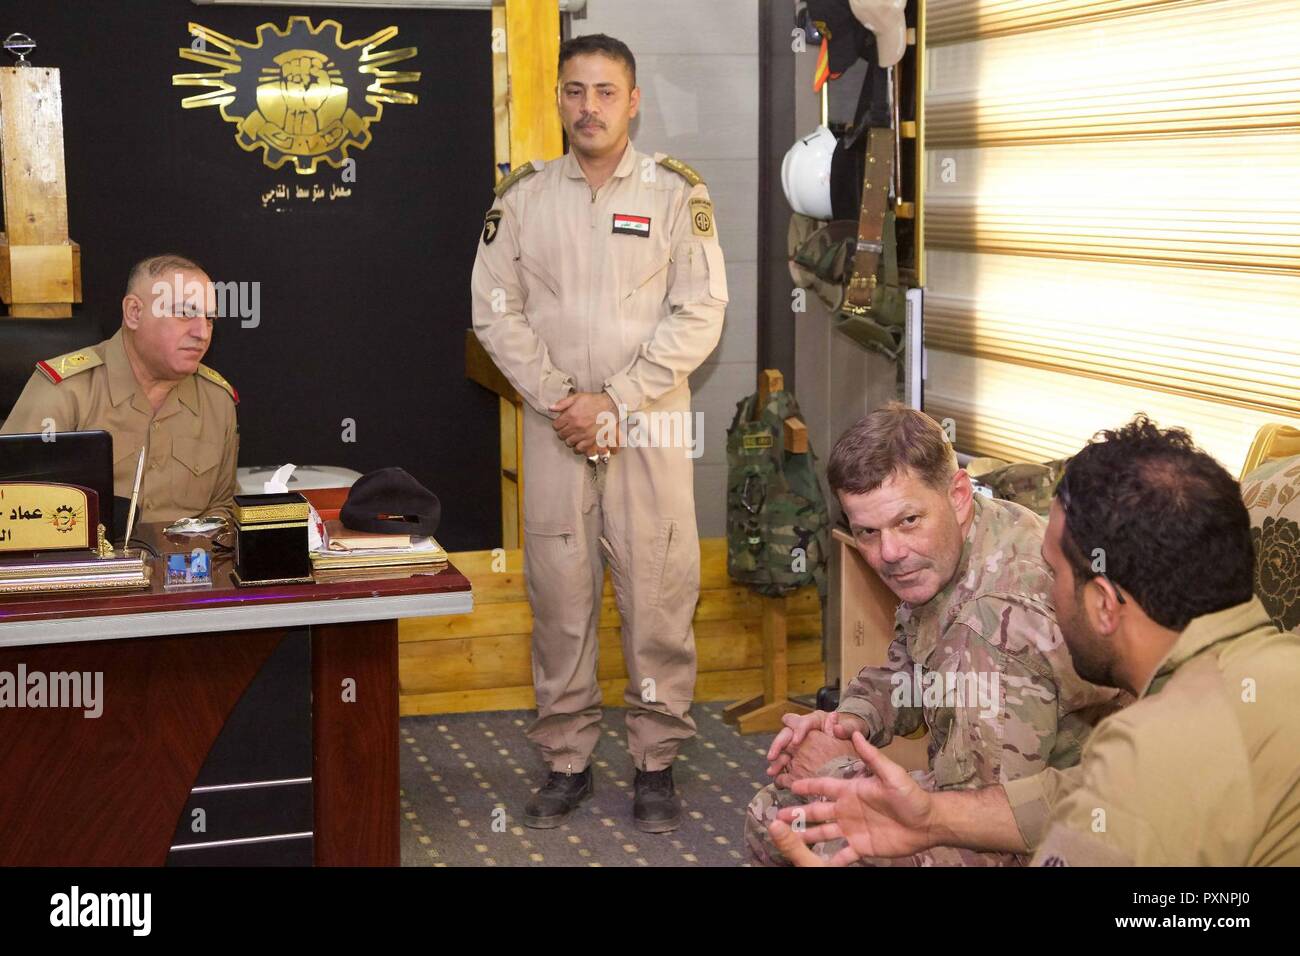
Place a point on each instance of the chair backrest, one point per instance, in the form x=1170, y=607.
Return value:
x=1272, y=441
x=24, y=342
x=1272, y=496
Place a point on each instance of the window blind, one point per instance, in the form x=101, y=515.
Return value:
x=1112, y=220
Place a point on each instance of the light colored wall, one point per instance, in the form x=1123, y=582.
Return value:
x=697, y=66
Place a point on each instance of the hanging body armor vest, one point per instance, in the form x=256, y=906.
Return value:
x=778, y=528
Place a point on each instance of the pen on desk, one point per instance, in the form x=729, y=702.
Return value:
x=135, y=498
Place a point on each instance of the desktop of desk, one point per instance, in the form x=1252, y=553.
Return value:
x=236, y=725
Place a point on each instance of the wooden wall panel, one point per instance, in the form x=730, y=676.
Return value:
x=482, y=661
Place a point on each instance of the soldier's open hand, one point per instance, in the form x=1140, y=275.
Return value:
x=885, y=814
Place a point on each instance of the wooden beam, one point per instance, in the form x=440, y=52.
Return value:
x=533, y=53
x=512, y=472
x=526, y=124
x=31, y=137
x=481, y=369
x=500, y=91
x=41, y=277
x=796, y=436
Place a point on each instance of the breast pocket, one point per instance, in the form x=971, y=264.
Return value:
x=126, y=455
x=194, y=471
x=954, y=763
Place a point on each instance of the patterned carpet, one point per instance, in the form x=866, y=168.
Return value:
x=466, y=778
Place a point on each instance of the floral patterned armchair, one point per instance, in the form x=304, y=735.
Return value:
x=1272, y=495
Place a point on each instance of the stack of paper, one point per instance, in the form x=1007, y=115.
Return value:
x=345, y=549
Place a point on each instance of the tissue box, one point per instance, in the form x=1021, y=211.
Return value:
x=271, y=540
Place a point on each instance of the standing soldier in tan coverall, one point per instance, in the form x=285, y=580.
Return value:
x=598, y=288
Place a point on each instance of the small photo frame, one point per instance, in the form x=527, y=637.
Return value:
x=183, y=570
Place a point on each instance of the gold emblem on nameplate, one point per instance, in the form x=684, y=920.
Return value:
x=64, y=518
x=301, y=93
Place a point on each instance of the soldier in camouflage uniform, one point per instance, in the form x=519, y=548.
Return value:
x=977, y=657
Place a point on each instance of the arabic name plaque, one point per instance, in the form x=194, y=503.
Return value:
x=47, y=517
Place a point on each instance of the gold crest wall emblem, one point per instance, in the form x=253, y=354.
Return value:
x=300, y=93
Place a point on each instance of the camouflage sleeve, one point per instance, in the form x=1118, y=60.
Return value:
x=872, y=696
x=1003, y=711
x=1002, y=725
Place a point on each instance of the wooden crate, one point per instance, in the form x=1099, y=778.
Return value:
x=864, y=613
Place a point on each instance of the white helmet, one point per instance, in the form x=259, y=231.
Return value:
x=806, y=174
x=888, y=21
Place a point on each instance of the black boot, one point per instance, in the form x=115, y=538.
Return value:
x=656, y=807
x=561, y=793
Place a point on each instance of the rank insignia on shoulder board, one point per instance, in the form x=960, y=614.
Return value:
x=491, y=225
x=702, y=217
x=61, y=367
x=215, y=377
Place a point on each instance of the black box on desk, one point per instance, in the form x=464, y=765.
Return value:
x=271, y=540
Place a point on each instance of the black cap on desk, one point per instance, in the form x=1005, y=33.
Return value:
x=390, y=501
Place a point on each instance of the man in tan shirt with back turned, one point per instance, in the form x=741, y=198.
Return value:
x=598, y=289
x=147, y=387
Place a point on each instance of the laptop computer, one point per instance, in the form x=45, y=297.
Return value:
x=73, y=458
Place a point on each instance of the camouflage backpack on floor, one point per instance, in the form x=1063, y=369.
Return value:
x=774, y=503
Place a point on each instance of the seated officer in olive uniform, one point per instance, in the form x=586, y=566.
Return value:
x=147, y=387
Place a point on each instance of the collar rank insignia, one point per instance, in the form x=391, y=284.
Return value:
x=213, y=376
x=632, y=225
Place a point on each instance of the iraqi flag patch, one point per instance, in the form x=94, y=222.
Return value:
x=632, y=225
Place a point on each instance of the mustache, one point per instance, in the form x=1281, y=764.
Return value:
x=589, y=123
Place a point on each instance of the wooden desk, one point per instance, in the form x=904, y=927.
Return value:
x=265, y=716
